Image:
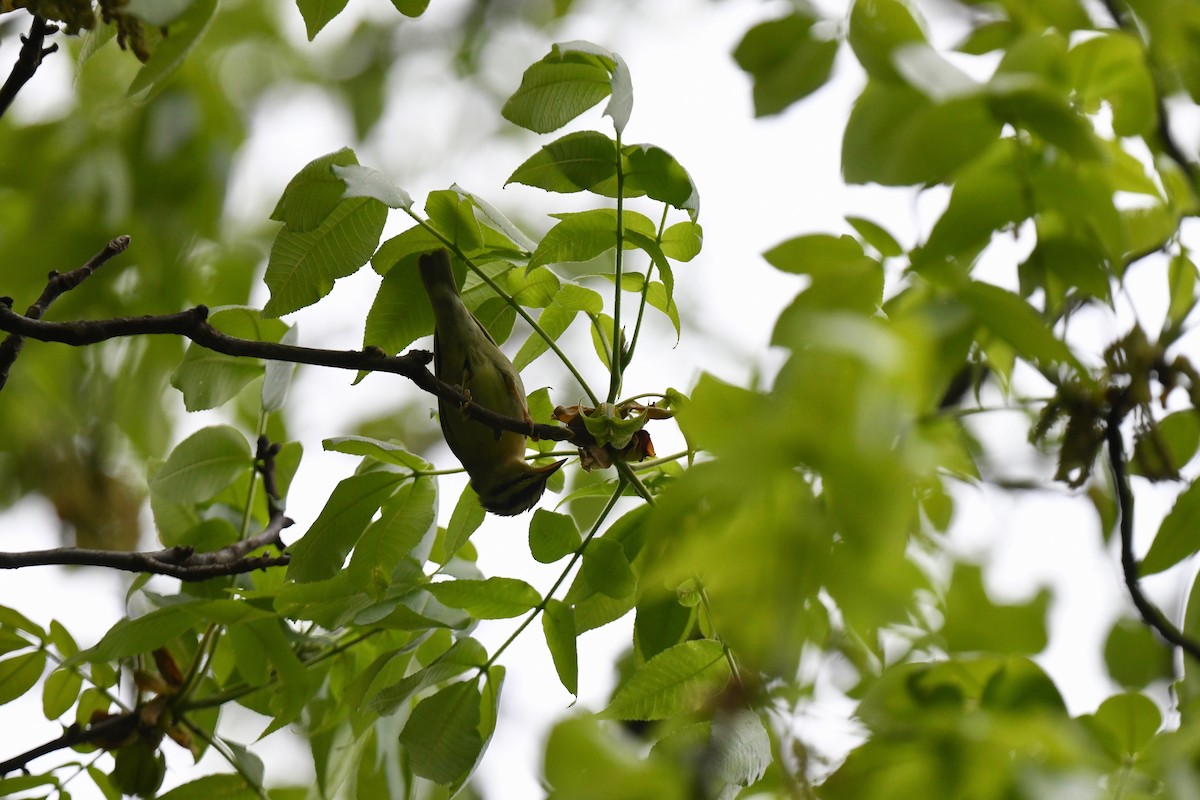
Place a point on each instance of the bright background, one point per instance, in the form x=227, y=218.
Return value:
x=760, y=181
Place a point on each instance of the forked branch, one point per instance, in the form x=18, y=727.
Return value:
x=28, y=60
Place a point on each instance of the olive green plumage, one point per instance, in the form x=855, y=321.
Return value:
x=465, y=356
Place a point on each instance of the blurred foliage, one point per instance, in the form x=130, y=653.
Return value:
x=797, y=548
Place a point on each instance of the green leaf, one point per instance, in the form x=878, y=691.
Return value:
x=786, y=60
x=536, y=288
x=314, y=192
x=103, y=783
x=277, y=376
x=607, y=569
x=1182, y=288
x=1178, y=536
x=405, y=528
x=498, y=221
x=293, y=687
x=584, y=235
x=202, y=465
x=1018, y=323
x=319, y=13
x=877, y=236
x=558, y=625
x=494, y=598
x=489, y=716
x=386, y=694
x=1019, y=685
x=1027, y=101
x=62, y=639
x=576, y=162
x=1135, y=657
x=14, y=620
x=1164, y=448
x=442, y=734
x=742, y=748
x=322, y=550
x=368, y=182
x=661, y=623
x=171, y=51
x=159, y=13
x=134, y=636
x=466, y=518
x=989, y=37
x=138, y=768
x=207, y=378
x=453, y=214
x=19, y=674
x=573, y=297
x=226, y=786
x=682, y=241
x=878, y=29
x=897, y=136
x=401, y=312
x=843, y=277
x=1127, y=722
x=304, y=265
x=1059, y=264
x=602, y=339
x=552, y=536
x=589, y=760
x=1113, y=68
x=988, y=196
x=403, y=250
x=10, y=641
x=652, y=170
x=568, y=81
x=676, y=681
x=556, y=318
x=60, y=692
x=411, y=8
x=974, y=623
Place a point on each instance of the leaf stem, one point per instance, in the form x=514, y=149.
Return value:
x=237, y=691
x=541, y=606
x=216, y=743
x=506, y=297
x=637, y=326
x=248, y=508
x=704, y=601
x=625, y=469
x=618, y=366
x=654, y=462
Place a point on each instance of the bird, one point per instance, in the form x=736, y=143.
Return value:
x=466, y=357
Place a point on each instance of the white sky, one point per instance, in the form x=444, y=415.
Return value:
x=760, y=183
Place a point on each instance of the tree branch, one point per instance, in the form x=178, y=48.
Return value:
x=56, y=285
x=183, y=563
x=193, y=324
x=113, y=728
x=1151, y=615
x=29, y=59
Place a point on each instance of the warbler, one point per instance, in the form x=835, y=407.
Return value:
x=466, y=356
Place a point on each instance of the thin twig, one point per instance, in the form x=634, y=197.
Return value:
x=1151, y=615
x=56, y=285
x=28, y=61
